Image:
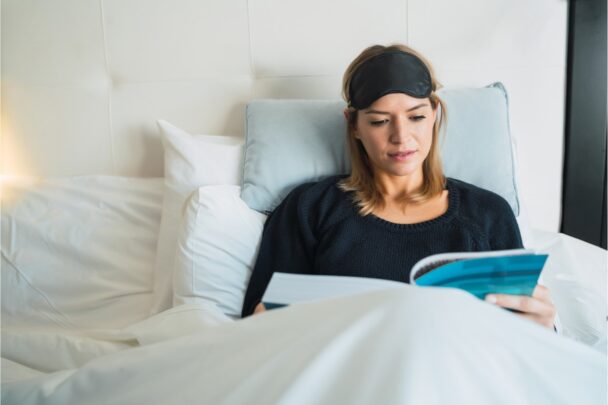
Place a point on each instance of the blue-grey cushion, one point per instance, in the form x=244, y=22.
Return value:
x=289, y=142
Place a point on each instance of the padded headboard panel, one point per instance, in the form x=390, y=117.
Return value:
x=83, y=81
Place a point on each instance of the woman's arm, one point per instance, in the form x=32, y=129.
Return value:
x=259, y=308
x=287, y=246
x=539, y=307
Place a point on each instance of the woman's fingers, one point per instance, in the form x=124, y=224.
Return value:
x=521, y=303
x=538, y=307
x=542, y=293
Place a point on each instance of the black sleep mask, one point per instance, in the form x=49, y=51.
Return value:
x=390, y=72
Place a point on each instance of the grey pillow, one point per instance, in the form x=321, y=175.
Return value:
x=289, y=142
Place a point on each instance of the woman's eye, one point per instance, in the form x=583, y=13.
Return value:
x=418, y=117
x=378, y=123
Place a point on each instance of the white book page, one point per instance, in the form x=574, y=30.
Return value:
x=288, y=288
x=443, y=258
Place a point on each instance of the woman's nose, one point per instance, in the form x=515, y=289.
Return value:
x=399, y=130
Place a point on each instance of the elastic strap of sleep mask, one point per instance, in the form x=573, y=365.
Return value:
x=389, y=72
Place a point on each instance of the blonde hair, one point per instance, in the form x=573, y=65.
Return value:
x=361, y=180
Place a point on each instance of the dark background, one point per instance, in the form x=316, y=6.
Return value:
x=584, y=176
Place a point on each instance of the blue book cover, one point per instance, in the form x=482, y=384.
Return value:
x=505, y=272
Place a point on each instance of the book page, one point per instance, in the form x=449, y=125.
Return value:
x=289, y=288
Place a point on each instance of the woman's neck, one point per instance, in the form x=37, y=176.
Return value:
x=395, y=188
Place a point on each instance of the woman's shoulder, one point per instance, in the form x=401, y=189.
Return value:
x=489, y=212
x=315, y=190
x=477, y=199
x=322, y=199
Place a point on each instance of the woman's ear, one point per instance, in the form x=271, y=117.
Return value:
x=347, y=117
x=437, y=112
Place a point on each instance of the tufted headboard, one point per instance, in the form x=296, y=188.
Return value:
x=84, y=81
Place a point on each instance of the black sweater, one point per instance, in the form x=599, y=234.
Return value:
x=317, y=230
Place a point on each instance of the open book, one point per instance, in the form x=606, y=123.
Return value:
x=480, y=273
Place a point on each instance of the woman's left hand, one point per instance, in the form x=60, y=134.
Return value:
x=538, y=308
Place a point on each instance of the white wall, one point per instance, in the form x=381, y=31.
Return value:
x=83, y=81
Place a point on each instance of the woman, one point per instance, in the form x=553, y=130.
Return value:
x=396, y=206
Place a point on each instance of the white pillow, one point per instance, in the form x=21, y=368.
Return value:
x=191, y=161
x=78, y=252
x=217, y=247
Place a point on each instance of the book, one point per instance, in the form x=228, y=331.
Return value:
x=514, y=271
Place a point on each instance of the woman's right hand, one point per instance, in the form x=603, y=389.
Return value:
x=259, y=308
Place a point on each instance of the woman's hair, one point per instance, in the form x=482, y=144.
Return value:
x=361, y=180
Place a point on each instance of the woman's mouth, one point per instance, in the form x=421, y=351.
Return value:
x=402, y=156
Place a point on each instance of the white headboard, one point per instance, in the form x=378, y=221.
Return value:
x=84, y=81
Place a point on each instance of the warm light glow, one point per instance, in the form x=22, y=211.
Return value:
x=12, y=186
x=15, y=165
x=15, y=159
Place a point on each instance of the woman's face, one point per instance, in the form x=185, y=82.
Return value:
x=397, y=132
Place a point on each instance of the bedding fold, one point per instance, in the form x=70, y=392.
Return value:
x=404, y=346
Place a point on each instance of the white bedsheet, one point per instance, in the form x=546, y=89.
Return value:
x=48, y=350
x=576, y=274
x=405, y=346
x=12, y=371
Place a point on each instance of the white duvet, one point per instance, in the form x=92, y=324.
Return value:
x=419, y=346
x=404, y=346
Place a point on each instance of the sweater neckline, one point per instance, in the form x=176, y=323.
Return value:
x=441, y=219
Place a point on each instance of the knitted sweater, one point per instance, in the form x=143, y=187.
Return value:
x=317, y=230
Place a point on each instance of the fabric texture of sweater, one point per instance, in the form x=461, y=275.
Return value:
x=317, y=230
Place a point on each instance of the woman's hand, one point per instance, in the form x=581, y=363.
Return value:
x=259, y=308
x=538, y=308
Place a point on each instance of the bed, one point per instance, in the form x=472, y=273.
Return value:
x=84, y=334
x=132, y=206
x=129, y=290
